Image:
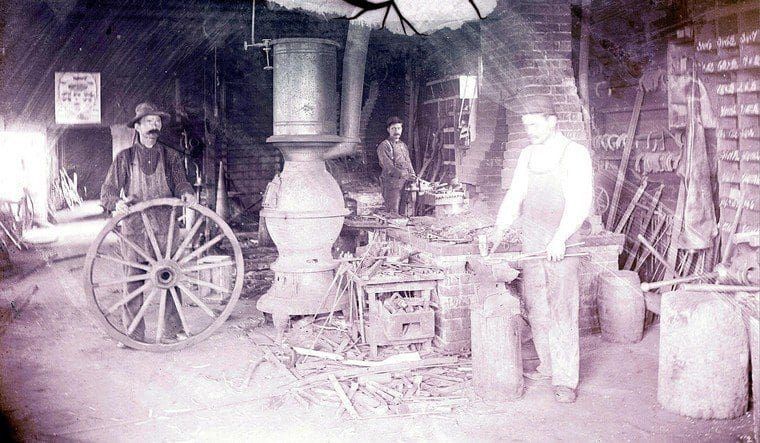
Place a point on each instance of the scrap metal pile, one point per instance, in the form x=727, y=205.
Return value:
x=331, y=370
x=327, y=357
x=399, y=385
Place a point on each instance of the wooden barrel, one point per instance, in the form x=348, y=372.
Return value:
x=497, y=372
x=621, y=307
x=704, y=355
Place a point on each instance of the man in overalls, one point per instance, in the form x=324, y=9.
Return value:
x=551, y=193
x=146, y=171
x=393, y=155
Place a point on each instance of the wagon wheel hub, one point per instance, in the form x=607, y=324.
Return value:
x=166, y=274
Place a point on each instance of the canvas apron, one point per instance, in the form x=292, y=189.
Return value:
x=550, y=289
x=146, y=187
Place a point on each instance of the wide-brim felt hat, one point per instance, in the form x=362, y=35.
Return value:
x=143, y=109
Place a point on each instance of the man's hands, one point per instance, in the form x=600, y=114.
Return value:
x=123, y=204
x=555, y=249
x=496, y=237
x=122, y=207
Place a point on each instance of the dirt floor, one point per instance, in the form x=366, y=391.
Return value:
x=63, y=378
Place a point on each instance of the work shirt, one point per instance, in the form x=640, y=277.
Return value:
x=394, y=159
x=118, y=176
x=576, y=178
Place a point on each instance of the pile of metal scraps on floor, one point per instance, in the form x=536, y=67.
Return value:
x=325, y=367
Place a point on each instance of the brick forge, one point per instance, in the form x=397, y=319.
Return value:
x=526, y=48
x=452, y=320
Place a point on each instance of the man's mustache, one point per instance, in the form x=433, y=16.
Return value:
x=154, y=132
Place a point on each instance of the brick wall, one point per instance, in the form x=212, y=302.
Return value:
x=452, y=320
x=251, y=163
x=526, y=48
x=251, y=167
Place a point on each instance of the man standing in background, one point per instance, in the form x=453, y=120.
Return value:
x=393, y=155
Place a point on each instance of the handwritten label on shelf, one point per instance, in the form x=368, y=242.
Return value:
x=738, y=88
x=751, y=61
x=731, y=64
x=728, y=41
x=751, y=179
x=732, y=156
x=728, y=111
x=727, y=202
x=749, y=37
x=727, y=226
x=750, y=109
x=734, y=134
x=743, y=109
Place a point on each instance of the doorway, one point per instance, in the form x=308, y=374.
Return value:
x=86, y=152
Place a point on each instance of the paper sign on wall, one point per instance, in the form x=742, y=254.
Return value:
x=77, y=98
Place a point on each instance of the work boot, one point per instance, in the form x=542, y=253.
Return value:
x=537, y=376
x=563, y=394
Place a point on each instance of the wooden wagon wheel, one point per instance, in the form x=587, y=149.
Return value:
x=173, y=273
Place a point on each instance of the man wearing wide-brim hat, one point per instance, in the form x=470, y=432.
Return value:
x=551, y=194
x=145, y=171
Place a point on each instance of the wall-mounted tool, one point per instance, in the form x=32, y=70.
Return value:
x=265, y=44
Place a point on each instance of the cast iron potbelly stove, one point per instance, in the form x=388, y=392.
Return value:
x=303, y=205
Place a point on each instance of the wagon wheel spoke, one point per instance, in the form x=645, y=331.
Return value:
x=151, y=234
x=126, y=299
x=170, y=236
x=180, y=312
x=208, y=266
x=161, y=313
x=124, y=262
x=196, y=300
x=208, y=285
x=140, y=251
x=201, y=249
x=188, y=238
x=141, y=312
x=163, y=270
x=130, y=279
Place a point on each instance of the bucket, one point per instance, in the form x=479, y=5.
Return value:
x=621, y=307
x=221, y=276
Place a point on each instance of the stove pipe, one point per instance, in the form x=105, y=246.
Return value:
x=303, y=205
